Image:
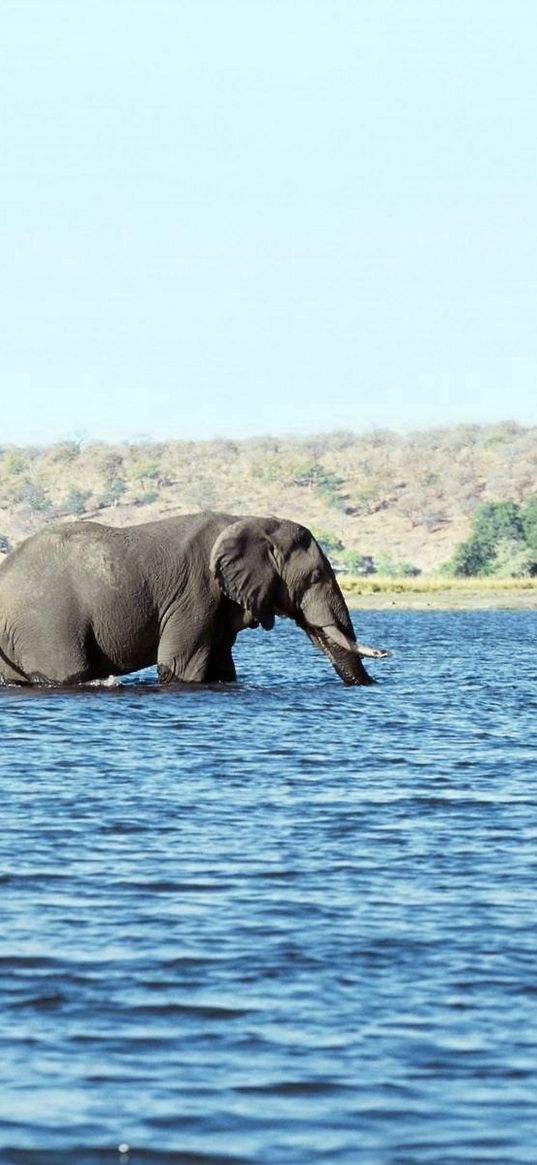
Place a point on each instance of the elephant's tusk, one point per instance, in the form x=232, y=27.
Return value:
x=373, y=652
x=336, y=636
x=339, y=638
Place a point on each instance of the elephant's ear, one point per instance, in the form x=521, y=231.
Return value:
x=244, y=563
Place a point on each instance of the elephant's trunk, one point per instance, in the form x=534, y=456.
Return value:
x=325, y=618
x=343, y=653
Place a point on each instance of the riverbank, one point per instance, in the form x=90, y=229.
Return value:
x=440, y=594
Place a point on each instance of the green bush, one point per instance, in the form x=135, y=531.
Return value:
x=75, y=502
x=391, y=567
x=362, y=501
x=204, y=494
x=113, y=492
x=15, y=463
x=502, y=542
x=34, y=497
x=66, y=451
x=324, y=483
x=528, y=514
x=145, y=498
x=306, y=475
x=356, y=563
x=329, y=542
x=512, y=559
x=146, y=470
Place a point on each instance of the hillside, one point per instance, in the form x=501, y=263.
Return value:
x=394, y=497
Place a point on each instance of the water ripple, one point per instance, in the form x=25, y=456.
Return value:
x=283, y=923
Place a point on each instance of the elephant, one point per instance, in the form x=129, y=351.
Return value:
x=81, y=601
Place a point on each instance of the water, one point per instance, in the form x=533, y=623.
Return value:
x=285, y=923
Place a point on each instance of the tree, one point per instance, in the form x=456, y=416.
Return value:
x=76, y=500
x=395, y=569
x=471, y=558
x=34, y=496
x=114, y=490
x=329, y=542
x=495, y=520
x=357, y=563
x=146, y=471
x=325, y=483
x=503, y=541
x=528, y=515
x=512, y=559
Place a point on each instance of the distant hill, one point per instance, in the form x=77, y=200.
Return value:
x=394, y=497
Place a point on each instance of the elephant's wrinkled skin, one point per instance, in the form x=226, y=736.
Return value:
x=84, y=601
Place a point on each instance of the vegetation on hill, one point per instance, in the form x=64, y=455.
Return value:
x=502, y=542
x=379, y=500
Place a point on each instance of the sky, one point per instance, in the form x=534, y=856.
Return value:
x=226, y=218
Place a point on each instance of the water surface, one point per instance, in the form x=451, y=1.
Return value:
x=280, y=923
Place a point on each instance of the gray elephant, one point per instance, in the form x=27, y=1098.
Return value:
x=83, y=601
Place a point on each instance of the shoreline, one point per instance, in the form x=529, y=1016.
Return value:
x=464, y=598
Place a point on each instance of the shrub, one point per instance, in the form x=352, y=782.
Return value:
x=75, y=502
x=111, y=464
x=34, y=497
x=145, y=498
x=15, y=463
x=363, y=502
x=473, y=557
x=393, y=569
x=306, y=475
x=325, y=484
x=329, y=542
x=147, y=470
x=495, y=520
x=528, y=514
x=204, y=494
x=503, y=541
x=66, y=451
x=512, y=559
x=113, y=492
x=356, y=563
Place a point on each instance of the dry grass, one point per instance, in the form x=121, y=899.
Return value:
x=378, y=584
x=439, y=593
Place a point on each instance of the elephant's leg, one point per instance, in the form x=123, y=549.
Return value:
x=183, y=659
x=10, y=673
x=56, y=662
x=221, y=666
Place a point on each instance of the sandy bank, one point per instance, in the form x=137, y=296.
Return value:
x=461, y=598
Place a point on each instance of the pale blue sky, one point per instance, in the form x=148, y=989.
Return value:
x=233, y=217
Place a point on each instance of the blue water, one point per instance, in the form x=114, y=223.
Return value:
x=282, y=923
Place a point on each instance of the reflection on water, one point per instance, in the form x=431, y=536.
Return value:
x=282, y=923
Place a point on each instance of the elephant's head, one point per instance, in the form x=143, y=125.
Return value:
x=274, y=567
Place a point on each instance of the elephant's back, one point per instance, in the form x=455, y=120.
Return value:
x=30, y=557
x=57, y=559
